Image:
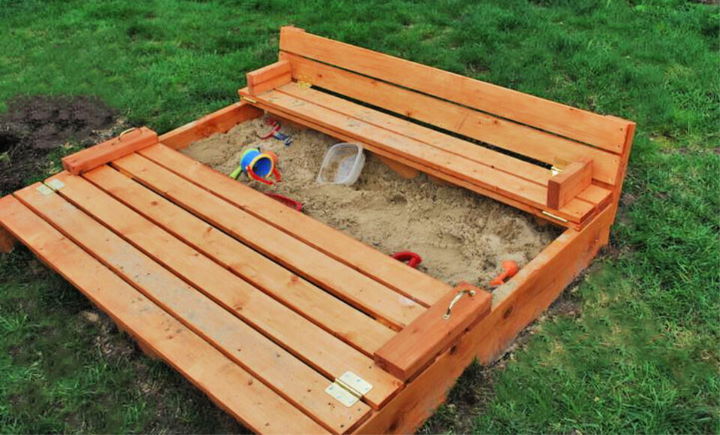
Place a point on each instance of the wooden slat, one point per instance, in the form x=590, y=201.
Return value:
x=316, y=347
x=217, y=122
x=438, y=177
x=484, y=156
x=233, y=388
x=432, y=158
x=419, y=343
x=102, y=153
x=7, y=241
x=568, y=184
x=269, y=77
x=281, y=371
x=419, y=133
x=316, y=305
x=602, y=131
x=344, y=282
x=332, y=242
x=514, y=137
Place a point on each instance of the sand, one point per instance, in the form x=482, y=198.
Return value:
x=461, y=236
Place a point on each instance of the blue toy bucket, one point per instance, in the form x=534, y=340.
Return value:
x=261, y=164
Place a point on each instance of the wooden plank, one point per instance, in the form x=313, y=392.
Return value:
x=470, y=151
x=502, y=133
x=417, y=132
x=314, y=304
x=526, y=296
x=566, y=185
x=342, y=281
x=416, y=346
x=281, y=371
x=432, y=158
x=102, y=153
x=235, y=390
x=7, y=241
x=602, y=131
x=403, y=171
x=438, y=177
x=328, y=240
x=217, y=122
x=311, y=344
x=268, y=77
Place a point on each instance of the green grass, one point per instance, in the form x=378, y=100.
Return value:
x=639, y=351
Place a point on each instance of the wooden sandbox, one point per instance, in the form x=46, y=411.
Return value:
x=290, y=325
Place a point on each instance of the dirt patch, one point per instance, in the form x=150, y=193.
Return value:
x=35, y=126
x=459, y=234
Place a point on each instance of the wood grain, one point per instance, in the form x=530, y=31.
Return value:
x=324, y=238
x=322, y=351
x=416, y=346
x=100, y=154
x=602, y=131
x=233, y=388
x=566, y=185
x=313, y=303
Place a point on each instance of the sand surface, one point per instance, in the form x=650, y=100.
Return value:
x=460, y=235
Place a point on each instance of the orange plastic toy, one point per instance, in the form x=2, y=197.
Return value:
x=510, y=268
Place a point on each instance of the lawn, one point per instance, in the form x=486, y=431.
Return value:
x=631, y=346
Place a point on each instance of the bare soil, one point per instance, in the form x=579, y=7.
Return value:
x=460, y=235
x=35, y=126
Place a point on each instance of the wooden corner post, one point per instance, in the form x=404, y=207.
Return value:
x=7, y=241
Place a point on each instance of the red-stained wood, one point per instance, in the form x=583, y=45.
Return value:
x=217, y=122
x=7, y=241
x=413, y=348
x=100, y=154
x=231, y=387
x=566, y=185
x=269, y=77
x=515, y=304
x=602, y=131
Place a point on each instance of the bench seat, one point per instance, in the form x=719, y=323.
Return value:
x=501, y=176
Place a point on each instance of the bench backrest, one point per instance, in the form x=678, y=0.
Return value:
x=537, y=128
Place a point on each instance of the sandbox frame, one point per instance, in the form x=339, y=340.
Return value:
x=485, y=329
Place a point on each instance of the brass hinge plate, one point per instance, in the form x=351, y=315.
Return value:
x=304, y=84
x=43, y=189
x=249, y=100
x=348, y=389
x=55, y=184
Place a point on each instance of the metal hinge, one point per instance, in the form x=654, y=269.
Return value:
x=554, y=216
x=55, y=184
x=248, y=99
x=349, y=388
x=50, y=187
x=554, y=170
x=303, y=84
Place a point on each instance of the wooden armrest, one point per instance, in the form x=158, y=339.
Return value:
x=269, y=77
x=417, y=345
x=565, y=186
x=90, y=158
